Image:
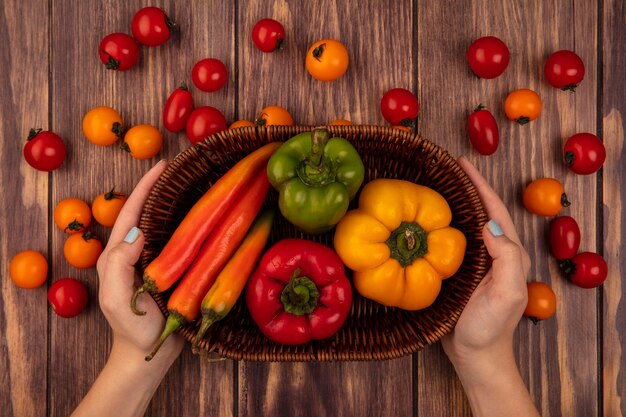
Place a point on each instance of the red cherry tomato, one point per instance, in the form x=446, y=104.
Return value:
x=564, y=237
x=586, y=269
x=151, y=26
x=399, y=107
x=68, y=297
x=44, y=150
x=177, y=110
x=268, y=35
x=488, y=57
x=483, y=131
x=209, y=74
x=584, y=153
x=119, y=51
x=205, y=121
x=565, y=70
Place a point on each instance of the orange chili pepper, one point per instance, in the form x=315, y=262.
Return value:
x=189, y=236
x=229, y=284
x=184, y=303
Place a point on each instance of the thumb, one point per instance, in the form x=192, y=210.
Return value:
x=507, y=265
x=119, y=276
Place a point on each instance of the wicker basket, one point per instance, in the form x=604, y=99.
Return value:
x=372, y=331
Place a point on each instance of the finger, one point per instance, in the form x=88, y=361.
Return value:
x=508, y=269
x=129, y=215
x=493, y=204
x=121, y=261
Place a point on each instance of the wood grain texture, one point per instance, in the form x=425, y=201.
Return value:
x=613, y=126
x=24, y=205
x=574, y=363
x=79, y=347
x=341, y=389
x=548, y=353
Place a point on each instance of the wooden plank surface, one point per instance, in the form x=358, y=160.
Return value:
x=574, y=363
x=548, y=353
x=612, y=130
x=80, y=346
x=24, y=206
x=343, y=389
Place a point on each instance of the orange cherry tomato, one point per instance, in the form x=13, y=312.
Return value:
x=327, y=60
x=82, y=250
x=143, y=141
x=541, y=302
x=72, y=215
x=107, y=206
x=340, y=122
x=241, y=123
x=28, y=269
x=102, y=126
x=522, y=106
x=545, y=197
x=274, y=115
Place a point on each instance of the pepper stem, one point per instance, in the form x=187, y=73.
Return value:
x=300, y=295
x=209, y=317
x=319, y=139
x=174, y=321
x=407, y=243
x=149, y=286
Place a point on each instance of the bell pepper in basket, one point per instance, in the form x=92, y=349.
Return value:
x=399, y=243
x=316, y=178
x=299, y=292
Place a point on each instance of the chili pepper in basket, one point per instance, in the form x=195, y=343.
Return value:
x=299, y=292
x=183, y=246
x=228, y=285
x=399, y=243
x=316, y=178
x=184, y=303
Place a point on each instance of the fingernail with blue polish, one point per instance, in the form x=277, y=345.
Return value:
x=132, y=235
x=494, y=228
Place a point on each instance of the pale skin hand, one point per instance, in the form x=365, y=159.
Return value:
x=127, y=382
x=481, y=345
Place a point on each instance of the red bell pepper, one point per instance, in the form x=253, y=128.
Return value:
x=299, y=292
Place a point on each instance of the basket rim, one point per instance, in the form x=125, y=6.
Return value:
x=271, y=133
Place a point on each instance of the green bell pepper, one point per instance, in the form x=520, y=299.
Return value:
x=316, y=178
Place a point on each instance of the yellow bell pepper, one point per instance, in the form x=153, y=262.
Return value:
x=399, y=243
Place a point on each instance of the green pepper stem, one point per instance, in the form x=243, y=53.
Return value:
x=408, y=243
x=209, y=317
x=319, y=139
x=174, y=321
x=300, y=295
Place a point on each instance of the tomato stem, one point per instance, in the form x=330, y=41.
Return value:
x=280, y=44
x=317, y=52
x=117, y=129
x=410, y=123
x=87, y=236
x=480, y=107
x=522, y=120
x=535, y=320
x=571, y=88
x=260, y=121
x=564, y=201
x=124, y=146
x=112, y=195
x=170, y=22
x=568, y=267
x=33, y=132
x=570, y=157
x=74, y=226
